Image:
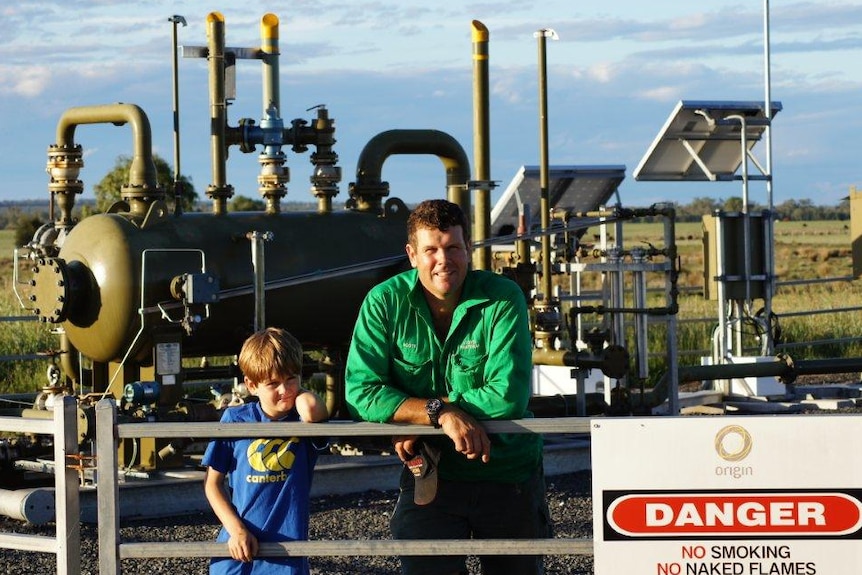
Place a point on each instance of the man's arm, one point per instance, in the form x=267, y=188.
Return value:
x=369, y=395
x=466, y=433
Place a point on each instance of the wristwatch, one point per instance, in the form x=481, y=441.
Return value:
x=434, y=407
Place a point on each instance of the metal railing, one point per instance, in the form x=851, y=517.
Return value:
x=66, y=544
x=112, y=550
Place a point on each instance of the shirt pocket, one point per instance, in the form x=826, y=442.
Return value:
x=412, y=373
x=467, y=371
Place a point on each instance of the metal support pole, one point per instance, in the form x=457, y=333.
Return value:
x=67, y=506
x=258, y=262
x=545, y=205
x=769, y=237
x=720, y=355
x=672, y=341
x=108, y=493
x=580, y=391
x=178, y=187
x=639, y=293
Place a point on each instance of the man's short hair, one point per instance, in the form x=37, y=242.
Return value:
x=436, y=215
x=270, y=353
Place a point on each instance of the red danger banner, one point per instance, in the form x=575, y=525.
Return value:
x=819, y=514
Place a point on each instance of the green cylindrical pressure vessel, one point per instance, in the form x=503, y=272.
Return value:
x=112, y=271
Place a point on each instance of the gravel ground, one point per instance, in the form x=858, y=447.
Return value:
x=358, y=516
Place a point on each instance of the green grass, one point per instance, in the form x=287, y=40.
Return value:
x=7, y=243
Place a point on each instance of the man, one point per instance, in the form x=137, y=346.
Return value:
x=445, y=346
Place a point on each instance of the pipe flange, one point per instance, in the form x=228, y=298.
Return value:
x=49, y=289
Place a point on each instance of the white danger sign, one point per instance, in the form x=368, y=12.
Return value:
x=727, y=495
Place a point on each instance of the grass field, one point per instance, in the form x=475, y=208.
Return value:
x=7, y=243
x=803, y=251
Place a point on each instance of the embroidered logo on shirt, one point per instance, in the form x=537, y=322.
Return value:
x=274, y=454
x=409, y=345
x=469, y=344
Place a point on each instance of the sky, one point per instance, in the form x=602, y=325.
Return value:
x=613, y=76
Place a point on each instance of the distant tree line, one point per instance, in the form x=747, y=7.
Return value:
x=27, y=215
x=795, y=210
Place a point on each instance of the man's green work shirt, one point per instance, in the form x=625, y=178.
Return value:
x=484, y=366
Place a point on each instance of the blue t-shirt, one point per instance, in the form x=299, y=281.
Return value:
x=270, y=483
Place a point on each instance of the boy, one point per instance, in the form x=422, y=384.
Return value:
x=270, y=477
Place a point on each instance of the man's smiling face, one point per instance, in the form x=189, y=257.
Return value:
x=442, y=259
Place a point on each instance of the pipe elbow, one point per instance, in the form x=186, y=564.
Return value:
x=143, y=168
x=369, y=166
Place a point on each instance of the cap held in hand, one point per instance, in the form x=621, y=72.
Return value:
x=423, y=465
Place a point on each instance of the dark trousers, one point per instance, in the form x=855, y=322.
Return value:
x=478, y=510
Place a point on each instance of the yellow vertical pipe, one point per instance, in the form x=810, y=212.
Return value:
x=269, y=47
x=218, y=110
x=481, y=144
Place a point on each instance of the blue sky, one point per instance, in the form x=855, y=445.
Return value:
x=614, y=76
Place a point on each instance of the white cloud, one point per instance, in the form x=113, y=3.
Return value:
x=661, y=94
x=28, y=82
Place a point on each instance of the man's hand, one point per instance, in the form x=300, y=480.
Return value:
x=405, y=446
x=466, y=433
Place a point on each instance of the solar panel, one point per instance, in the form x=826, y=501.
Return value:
x=702, y=141
x=577, y=188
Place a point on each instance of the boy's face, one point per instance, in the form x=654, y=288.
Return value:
x=277, y=395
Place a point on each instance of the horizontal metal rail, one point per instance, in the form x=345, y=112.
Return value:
x=338, y=429
x=801, y=282
x=351, y=548
x=38, y=543
x=818, y=311
x=112, y=550
x=23, y=425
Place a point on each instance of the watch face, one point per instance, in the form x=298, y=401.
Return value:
x=433, y=407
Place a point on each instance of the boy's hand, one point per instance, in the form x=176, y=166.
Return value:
x=243, y=546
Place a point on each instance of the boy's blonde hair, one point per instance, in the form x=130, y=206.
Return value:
x=270, y=353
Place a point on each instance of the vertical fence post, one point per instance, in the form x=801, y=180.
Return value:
x=108, y=489
x=67, y=504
